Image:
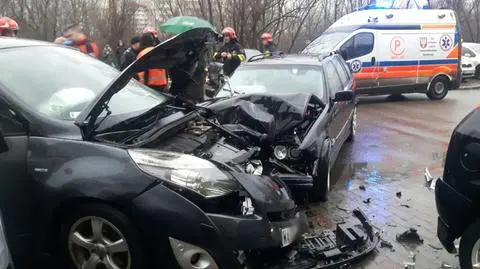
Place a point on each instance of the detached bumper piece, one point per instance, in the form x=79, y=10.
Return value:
x=327, y=249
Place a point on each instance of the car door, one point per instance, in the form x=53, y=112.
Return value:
x=360, y=53
x=346, y=108
x=14, y=191
x=335, y=123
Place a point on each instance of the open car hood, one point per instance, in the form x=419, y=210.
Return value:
x=180, y=52
x=271, y=114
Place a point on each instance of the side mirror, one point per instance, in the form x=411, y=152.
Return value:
x=3, y=143
x=344, y=96
x=467, y=55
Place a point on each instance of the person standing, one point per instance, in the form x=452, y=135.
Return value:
x=155, y=78
x=8, y=27
x=154, y=32
x=108, y=56
x=81, y=41
x=129, y=55
x=268, y=47
x=231, y=53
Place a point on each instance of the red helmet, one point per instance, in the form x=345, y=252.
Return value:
x=8, y=25
x=267, y=36
x=151, y=30
x=230, y=32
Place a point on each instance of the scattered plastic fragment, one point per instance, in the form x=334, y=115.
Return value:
x=405, y=205
x=386, y=244
x=399, y=194
x=446, y=265
x=367, y=201
x=409, y=236
x=435, y=247
x=362, y=187
x=341, y=208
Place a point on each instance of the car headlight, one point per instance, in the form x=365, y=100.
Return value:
x=280, y=152
x=186, y=171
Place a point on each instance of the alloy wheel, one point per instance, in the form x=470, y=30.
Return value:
x=95, y=243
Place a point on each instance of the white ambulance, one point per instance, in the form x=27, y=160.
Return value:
x=397, y=50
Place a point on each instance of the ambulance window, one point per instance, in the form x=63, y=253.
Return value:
x=358, y=45
x=334, y=83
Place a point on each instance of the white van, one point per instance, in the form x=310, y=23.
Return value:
x=397, y=50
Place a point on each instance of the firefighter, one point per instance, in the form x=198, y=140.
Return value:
x=8, y=27
x=231, y=53
x=154, y=33
x=268, y=47
x=154, y=78
x=81, y=41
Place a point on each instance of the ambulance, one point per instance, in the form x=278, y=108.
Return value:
x=393, y=51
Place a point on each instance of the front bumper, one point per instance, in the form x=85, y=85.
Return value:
x=453, y=210
x=468, y=72
x=164, y=214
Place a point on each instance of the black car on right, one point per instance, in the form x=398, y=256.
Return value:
x=457, y=193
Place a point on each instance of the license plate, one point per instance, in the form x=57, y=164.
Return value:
x=287, y=236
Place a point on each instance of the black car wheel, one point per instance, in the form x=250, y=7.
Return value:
x=470, y=247
x=98, y=236
x=353, y=126
x=321, y=180
x=438, y=88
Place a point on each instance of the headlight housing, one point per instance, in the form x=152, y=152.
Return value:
x=280, y=152
x=186, y=171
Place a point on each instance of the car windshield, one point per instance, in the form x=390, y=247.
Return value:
x=276, y=79
x=326, y=42
x=61, y=82
x=475, y=47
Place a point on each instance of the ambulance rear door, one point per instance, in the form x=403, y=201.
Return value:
x=359, y=50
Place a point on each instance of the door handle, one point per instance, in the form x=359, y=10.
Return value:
x=373, y=60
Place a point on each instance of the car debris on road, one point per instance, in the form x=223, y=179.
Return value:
x=327, y=249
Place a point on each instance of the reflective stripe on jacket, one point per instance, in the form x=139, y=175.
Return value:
x=154, y=76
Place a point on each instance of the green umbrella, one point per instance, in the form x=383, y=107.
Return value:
x=177, y=25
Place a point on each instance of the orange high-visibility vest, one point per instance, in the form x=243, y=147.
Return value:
x=155, y=77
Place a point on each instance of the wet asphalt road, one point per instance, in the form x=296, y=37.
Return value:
x=396, y=139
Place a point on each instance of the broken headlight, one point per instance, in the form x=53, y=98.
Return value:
x=280, y=152
x=186, y=171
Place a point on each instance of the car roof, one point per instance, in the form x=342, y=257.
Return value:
x=9, y=42
x=288, y=60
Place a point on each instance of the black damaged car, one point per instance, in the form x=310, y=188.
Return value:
x=99, y=171
x=457, y=193
x=299, y=110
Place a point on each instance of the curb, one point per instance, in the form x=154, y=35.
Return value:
x=472, y=87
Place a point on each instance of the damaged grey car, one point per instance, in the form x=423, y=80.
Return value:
x=107, y=173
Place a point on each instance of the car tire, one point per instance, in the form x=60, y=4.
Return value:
x=94, y=233
x=353, y=126
x=438, y=88
x=469, y=243
x=321, y=182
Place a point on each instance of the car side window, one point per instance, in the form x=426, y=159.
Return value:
x=341, y=72
x=468, y=51
x=358, y=45
x=333, y=80
x=10, y=124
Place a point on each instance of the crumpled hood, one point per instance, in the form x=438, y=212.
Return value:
x=264, y=113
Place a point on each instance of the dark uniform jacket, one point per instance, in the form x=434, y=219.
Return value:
x=238, y=56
